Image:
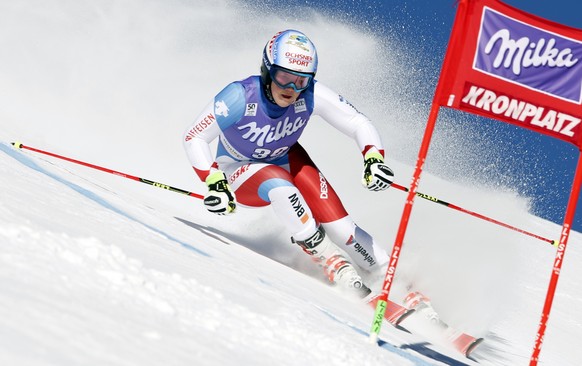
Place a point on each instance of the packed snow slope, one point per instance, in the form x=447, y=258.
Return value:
x=97, y=269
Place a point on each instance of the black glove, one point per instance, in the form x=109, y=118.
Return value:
x=377, y=175
x=219, y=199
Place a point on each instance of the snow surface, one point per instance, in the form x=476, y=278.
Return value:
x=96, y=269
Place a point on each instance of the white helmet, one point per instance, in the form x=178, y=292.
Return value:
x=290, y=51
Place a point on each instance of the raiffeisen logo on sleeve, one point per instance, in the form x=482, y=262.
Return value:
x=529, y=56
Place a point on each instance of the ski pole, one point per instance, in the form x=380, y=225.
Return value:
x=124, y=175
x=475, y=214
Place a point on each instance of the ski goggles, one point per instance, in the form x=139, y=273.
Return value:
x=285, y=79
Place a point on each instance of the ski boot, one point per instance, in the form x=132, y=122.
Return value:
x=338, y=270
x=341, y=272
x=421, y=304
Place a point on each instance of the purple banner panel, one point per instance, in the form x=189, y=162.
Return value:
x=532, y=57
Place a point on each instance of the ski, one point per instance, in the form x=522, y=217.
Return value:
x=462, y=342
x=395, y=313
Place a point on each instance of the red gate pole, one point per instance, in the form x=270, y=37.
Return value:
x=559, y=259
x=383, y=297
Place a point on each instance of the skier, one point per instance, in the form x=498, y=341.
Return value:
x=259, y=161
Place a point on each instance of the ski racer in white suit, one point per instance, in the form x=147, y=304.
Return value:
x=259, y=162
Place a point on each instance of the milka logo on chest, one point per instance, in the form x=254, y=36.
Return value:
x=269, y=133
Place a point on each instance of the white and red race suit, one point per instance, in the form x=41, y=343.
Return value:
x=258, y=150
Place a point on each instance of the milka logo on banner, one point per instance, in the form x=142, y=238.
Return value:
x=532, y=57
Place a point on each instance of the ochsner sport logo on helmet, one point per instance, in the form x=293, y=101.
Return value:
x=298, y=59
x=292, y=50
x=303, y=59
x=532, y=57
